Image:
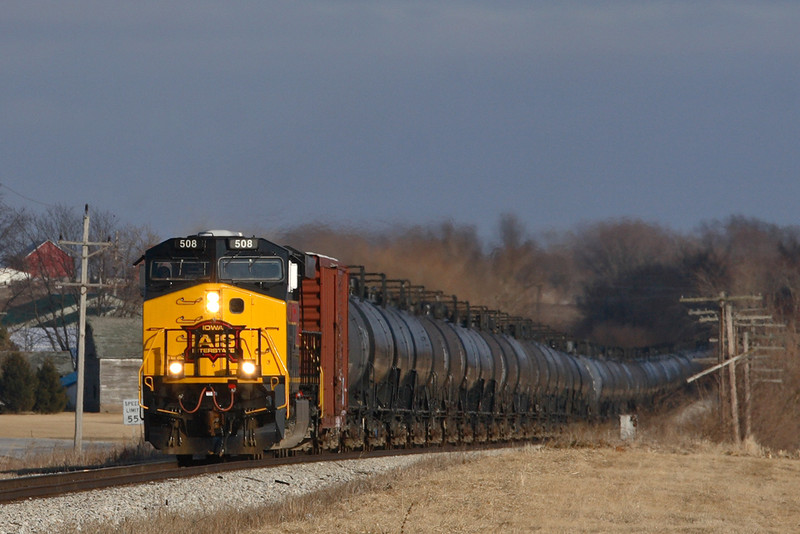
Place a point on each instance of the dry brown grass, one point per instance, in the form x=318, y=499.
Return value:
x=586, y=480
x=64, y=459
x=576, y=490
x=107, y=441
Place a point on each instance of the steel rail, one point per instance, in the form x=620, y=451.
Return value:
x=56, y=484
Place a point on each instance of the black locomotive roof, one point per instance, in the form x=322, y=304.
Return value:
x=213, y=247
x=210, y=247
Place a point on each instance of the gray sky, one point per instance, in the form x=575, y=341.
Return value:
x=261, y=115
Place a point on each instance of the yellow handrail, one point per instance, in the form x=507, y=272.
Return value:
x=285, y=372
x=278, y=358
x=147, y=352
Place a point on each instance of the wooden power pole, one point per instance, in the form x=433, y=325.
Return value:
x=727, y=356
x=84, y=286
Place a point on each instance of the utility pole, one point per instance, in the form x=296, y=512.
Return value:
x=752, y=322
x=727, y=357
x=731, y=345
x=84, y=285
x=748, y=408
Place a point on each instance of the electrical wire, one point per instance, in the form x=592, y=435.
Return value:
x=2, y=185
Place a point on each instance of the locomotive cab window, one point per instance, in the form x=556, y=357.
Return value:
x=178, y=269
x=251, y=269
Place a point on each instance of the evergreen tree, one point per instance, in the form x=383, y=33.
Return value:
x=17, y=384
x=50, y=394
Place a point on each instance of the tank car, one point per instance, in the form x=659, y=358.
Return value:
x=250, y=346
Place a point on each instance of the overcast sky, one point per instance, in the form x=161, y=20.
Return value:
x=264, y=115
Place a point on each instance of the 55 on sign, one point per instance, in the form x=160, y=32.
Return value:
x=131, y=414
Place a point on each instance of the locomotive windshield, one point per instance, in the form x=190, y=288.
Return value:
x=178, y=269
x=257, y=264
x=251, y=269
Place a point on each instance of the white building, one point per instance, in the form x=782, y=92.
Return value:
x=8, y=275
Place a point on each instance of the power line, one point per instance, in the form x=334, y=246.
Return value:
x=27, y=198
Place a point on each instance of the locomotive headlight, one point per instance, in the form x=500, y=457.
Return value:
x=212, y=301
x=248, y=368
x=176, y=369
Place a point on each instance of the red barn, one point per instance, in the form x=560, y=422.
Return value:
x=49, y=260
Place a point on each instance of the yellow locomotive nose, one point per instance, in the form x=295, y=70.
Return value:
x=212, y=301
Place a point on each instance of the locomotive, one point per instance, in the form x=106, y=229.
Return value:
x=249, y=346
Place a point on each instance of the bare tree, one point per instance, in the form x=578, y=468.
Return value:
x=12, y=224
x=52, y=305
x=608, y=249
x=518, y=270
x=41, y=296
x=11, y=220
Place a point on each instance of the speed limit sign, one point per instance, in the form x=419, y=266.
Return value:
x=131, y=415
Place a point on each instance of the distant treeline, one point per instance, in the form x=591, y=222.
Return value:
x=614, y=282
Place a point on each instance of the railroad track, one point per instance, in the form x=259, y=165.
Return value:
x=55, y=484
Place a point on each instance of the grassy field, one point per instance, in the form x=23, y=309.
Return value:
x=605, y=489
x=96, y=426
x=106, y=440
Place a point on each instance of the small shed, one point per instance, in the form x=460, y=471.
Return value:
x=113, y=360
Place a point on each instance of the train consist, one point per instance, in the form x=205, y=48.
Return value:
x=250, y=346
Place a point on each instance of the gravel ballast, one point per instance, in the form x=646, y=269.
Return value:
x=235, y=491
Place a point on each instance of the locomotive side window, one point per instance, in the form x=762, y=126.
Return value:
x=251, y=269
x=178, y=269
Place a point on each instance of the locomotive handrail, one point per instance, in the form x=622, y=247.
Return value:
x=147, y=354
x=184, y=320
x=182, y=301
x=271, y=345
x=245, y=345
x=141, y=371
